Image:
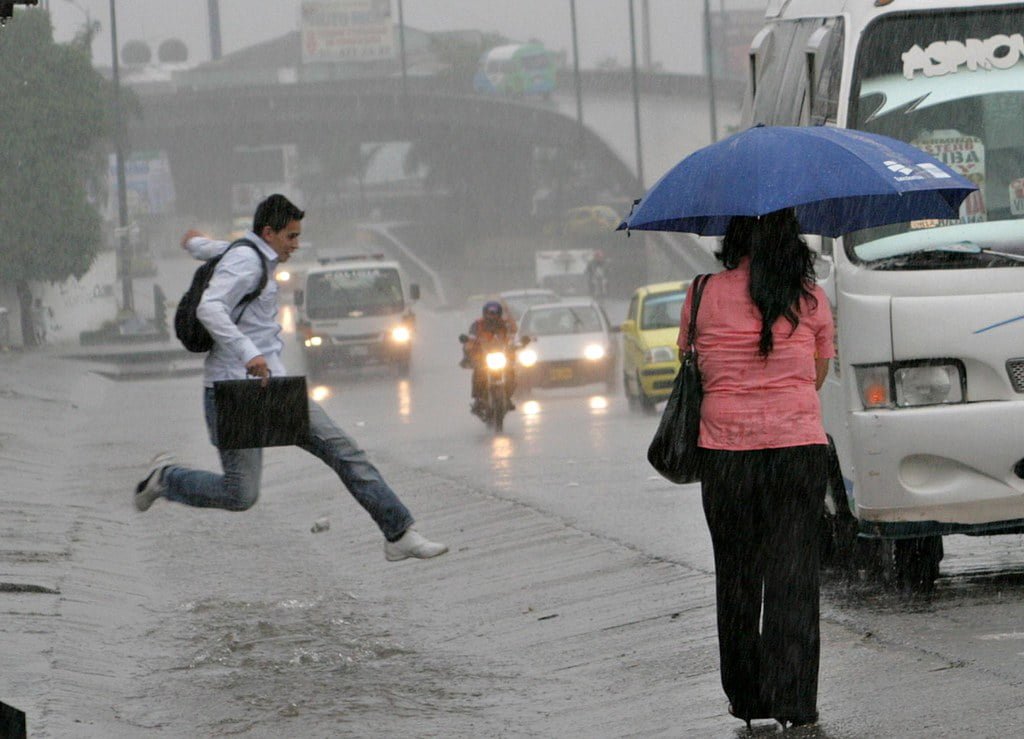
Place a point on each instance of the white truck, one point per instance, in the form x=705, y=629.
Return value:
x=356, y=310
x=563, y=270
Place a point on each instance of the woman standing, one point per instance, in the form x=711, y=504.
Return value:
x=764, y=340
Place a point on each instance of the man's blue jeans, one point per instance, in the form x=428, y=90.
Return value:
x=239, y=487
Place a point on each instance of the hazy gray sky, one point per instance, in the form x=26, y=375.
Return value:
x=602, y=27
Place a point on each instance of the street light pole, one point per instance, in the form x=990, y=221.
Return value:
x=709, y=70
x=124, y=252
x=213, y=11
x=636, y=94
x=401, y=51
x=577, y=81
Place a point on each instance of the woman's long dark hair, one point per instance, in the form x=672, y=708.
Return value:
x=781, y=267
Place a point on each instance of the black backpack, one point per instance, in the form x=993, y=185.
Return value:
x=187, y=327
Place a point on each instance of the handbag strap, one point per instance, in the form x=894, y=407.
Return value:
x=698, y=289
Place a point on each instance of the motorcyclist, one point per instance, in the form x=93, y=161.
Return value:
x=492, y=331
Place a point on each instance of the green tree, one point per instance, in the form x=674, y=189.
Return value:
x=55, y=112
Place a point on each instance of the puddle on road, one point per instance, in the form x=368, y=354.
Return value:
x=245, y=666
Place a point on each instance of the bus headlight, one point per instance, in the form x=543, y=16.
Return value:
x=928, y=384
x=496, y=360
x=527, y=357
x=908, y=385
x=657, y=354
x=314, y=341
x=401, y=334
x=593, y=352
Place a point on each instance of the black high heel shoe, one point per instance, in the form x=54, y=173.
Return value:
x=795, y=721
x=733, y=713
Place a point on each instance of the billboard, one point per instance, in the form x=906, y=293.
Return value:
x=346, y=31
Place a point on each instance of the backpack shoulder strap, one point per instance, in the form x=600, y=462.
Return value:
x=263, y=264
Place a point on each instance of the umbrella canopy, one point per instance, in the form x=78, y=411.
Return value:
x=838, y=179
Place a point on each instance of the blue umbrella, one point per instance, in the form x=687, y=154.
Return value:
x=838, y=179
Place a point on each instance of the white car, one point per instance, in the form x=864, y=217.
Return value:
x=571, y=343
x=515, y=302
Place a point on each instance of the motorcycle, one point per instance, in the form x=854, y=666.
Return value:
x=493, y=405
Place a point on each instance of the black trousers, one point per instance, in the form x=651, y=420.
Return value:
x=764, y=508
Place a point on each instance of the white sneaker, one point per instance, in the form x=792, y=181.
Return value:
x=152, y=485
x=412, y=544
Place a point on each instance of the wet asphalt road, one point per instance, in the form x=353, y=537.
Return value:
x=577, y=599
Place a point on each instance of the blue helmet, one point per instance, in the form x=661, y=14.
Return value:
x=492, y=308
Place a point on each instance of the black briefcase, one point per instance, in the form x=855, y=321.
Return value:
x=250, y=415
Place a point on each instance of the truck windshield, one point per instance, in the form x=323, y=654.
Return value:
x=345, y=293
x=951, y=83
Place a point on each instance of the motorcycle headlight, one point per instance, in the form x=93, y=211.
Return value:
x=929, y=384
x=527, y=357
x=657, y=354
x=401, y=334
x=593, y=352
x=496, y=360
x=314, y=341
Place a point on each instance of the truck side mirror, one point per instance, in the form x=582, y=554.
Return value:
x=298, y=297
x=463, y=338
x=414, y=291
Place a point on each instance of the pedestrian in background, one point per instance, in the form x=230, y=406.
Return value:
x=248, y=343
x=764, y=339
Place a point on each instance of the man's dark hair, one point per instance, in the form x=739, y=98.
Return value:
x=276, y=211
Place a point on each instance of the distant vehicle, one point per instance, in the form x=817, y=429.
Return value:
x=516, y=69
x=563, y=271
x=356, y=310
x=572, y=344
x=515, y=302
x=650, y=359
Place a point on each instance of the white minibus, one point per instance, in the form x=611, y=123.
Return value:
x=925, y=401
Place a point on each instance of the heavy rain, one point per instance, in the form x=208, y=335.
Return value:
x=450, y=156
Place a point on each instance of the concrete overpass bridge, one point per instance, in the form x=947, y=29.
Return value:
x=493, y=165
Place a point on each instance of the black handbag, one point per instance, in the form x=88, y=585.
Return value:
x=250, y=415
x=673, y=451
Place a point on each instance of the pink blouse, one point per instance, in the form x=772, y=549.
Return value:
x=751, y=402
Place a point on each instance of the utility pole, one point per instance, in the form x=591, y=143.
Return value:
x=401, y=51
x=709, y=70
x=124, y=251
x=636, y=93
x=577, y=82
x=213, y=10
x=645, y=12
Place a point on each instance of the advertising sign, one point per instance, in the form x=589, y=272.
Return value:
x=346, y=31
x=150, y=188
x=965, y=155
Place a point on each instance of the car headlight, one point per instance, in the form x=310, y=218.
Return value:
x=593, y=352
x=910, y=385
x=314, y=341
x=657, y=354
x=496, y=360
x=527, y=357
x=401, y=334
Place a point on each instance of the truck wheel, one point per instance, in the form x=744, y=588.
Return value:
x=916, y=564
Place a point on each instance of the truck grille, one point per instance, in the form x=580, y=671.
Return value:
x=1015, y=369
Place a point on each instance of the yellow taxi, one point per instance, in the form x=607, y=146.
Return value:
x=650, y=358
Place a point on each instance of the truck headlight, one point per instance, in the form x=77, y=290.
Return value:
x=401, y=334
x=928, y=384
x=527, y=357
x=283, y=275
x=593, y=352
x=314, y=341
x=657, y=354
x=496, y=360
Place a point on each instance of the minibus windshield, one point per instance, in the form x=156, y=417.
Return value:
x=951, y=83
x=347, y=293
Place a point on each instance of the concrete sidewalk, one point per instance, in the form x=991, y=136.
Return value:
x=529, y=627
